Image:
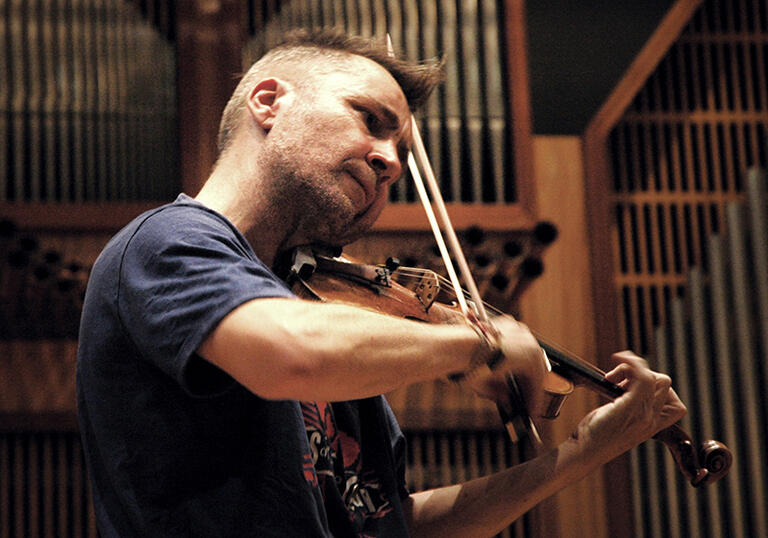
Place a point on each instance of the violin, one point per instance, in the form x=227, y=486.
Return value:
x=423, y=295
x=325, y=276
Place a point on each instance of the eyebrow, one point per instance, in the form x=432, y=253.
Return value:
x=390, y=119
x=390, y=122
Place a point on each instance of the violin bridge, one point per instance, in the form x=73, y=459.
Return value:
x=426, y=287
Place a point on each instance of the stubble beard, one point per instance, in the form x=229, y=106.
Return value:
x=311, y=204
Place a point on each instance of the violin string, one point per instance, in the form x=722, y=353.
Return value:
x=414, y=273
x=420, y=152
x=480, y=313
x=418, y=273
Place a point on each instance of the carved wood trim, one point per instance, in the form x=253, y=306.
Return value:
x=599, y=222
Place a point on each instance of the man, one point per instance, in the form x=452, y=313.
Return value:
x=214, y=403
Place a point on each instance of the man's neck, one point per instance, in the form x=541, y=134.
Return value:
x=250, y=210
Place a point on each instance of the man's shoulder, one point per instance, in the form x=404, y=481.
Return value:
x=181, y=216
x=181, y=219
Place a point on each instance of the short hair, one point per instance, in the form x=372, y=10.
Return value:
x=301, y=48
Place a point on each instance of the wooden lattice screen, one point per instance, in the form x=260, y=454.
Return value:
x=713, y=346
x=679, y=156
x=680, y=153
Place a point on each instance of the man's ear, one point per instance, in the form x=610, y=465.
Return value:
x=265, y=99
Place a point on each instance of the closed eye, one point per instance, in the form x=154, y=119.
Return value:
x=372, y=122
x=380, y=122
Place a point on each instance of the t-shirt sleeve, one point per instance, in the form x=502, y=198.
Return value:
x=181, y=272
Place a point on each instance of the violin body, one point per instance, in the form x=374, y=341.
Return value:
x=320, y=277
x=417, y=294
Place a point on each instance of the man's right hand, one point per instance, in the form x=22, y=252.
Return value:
x=523, y=358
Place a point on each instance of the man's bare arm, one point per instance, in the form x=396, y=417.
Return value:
x=294, y=349
x=485, y=506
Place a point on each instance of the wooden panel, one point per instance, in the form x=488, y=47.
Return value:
x=558, y=308
x=97, y=217
x=39, y=377
x=209, y=40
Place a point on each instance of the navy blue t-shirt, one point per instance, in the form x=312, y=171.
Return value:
x=176, y=447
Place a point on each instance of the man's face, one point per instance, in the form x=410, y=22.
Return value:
x=338, y=149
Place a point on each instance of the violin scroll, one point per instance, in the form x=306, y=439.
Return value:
x=700, y=467
x=716, y=458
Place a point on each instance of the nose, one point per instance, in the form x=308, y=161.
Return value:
x=384, y=159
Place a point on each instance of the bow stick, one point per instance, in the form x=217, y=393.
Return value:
x=512, y=418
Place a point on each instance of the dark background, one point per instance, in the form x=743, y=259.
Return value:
x=578, y=51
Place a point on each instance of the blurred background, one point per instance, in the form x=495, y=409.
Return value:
x=603, y=161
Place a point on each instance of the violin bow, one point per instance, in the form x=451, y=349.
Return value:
x=715, y=456
x=515, y=418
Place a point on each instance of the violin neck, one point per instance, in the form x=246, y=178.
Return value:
x=580, y=372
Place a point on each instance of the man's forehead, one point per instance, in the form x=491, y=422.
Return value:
x=365, y=68
x=377, y=83
x=364, y=82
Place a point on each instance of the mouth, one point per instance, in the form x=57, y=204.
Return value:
x=367, y=189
